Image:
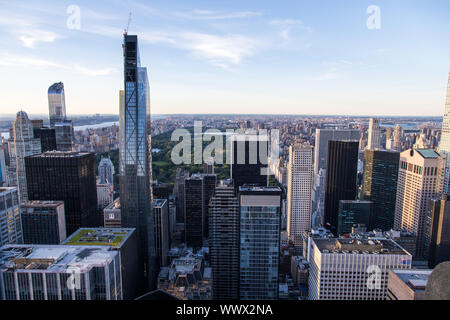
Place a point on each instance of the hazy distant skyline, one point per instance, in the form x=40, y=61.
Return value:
x=250, y=57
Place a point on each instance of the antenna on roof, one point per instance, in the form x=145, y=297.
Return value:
x=125, y=31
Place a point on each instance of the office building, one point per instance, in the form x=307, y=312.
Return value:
x=398, y=133
x=178, y=193
x=224, y=242
x=105, y=193
x=249, y=160
x=111, y=215
x=444, y=145
x=135, y=158
x=407, y=284
x=374, y=134
x=349, y=269
x=209, y=186
x=106, y=171
x=56, y=103
x=419, y=181
x=47, y=136
x=321, y=144
x=68, y=177
x=3, y=169
x=318, y=199
x=161, y=214
x=21, y=144
x=380, y=186
x=194, y=204
x=59, y=272
x=260, y=212
x=299, y=188
x=122, y=240
x=43, y=222
x=437, y=231
x=11, y=228
x=353, y=212
x=340, y=180
x=64, y=135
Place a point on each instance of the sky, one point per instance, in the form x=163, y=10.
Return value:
x=233, y=56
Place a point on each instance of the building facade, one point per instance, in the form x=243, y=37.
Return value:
x=68, y=177
x=43, y=222
x=161, y=214
x=299, y=188
x=353, y=212
x=224, y=242
x=11, y=228
x=135, y=158
x=56, y=103
x=260, y=212
x=380, y=186
x=374, y=134
x=419, y=181
x=437, y=231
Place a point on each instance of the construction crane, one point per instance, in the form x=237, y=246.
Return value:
x=125, y=31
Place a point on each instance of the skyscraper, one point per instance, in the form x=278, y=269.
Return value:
x=11, y=228
x=437, y=233
x=106, y=171
x=56, y=103
x=69, y=177
x=161, y=214
x=43, y=222
x=398, y=132
x=419, y=181
x=444, y=145
x=342, y=161
x=64, y=135
x=194, y=219
x=209, y=186
x=321, y=144
x=259, y=242
x=353, y=212
x=21, y=144
x=135, y=158
x=224, y=242
x=299, y=187
x=249, y=160
x=380, y=186
x=374, y=135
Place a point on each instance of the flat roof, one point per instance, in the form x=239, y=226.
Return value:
x=54, y=258
x=413, y=278
x=159, y=202
x=358, y=246
x=114, y=237
x=60, y=154
x=259, y=188
x=7, y=189
x=42, y=204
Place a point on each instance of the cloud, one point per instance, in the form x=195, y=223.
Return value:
x=287, y=25
x=30, y=37
x=330, y=75
x=214, y=15
x=9, y=60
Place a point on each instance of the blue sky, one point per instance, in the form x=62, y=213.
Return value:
x=248, y=56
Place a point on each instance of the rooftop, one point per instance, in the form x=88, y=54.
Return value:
x=259, y=188
x=362, y=246
x=114, y=237
x=415, y=279
x=42, y=204
x=113, y=205
x=7, y=189
x=60, y=154
x=55, y=258
x=159, y=202
x=56, y=87
x=428, y=153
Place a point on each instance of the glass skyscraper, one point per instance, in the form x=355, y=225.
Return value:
x=135, y=158
x=444, y=147
x=56, y=103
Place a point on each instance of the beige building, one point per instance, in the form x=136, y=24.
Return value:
x=419, y=180
x=407, y=284
x=299, y=189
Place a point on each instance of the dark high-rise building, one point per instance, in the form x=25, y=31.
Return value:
x=342, y=161
x=68, y=177
x=178, y=192
x=437, y=233
x=353, y=212
x=47, y=136
x=209, y=186
x=43, y=222
x=224, y=242
x=193, y=203
x=64, y=135
x=380, y=186
x=135, y=158
x=259, y=238
x=160, y=191
x=161, y=214
x=249, y=160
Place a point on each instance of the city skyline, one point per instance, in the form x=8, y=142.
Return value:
x=219, y=58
